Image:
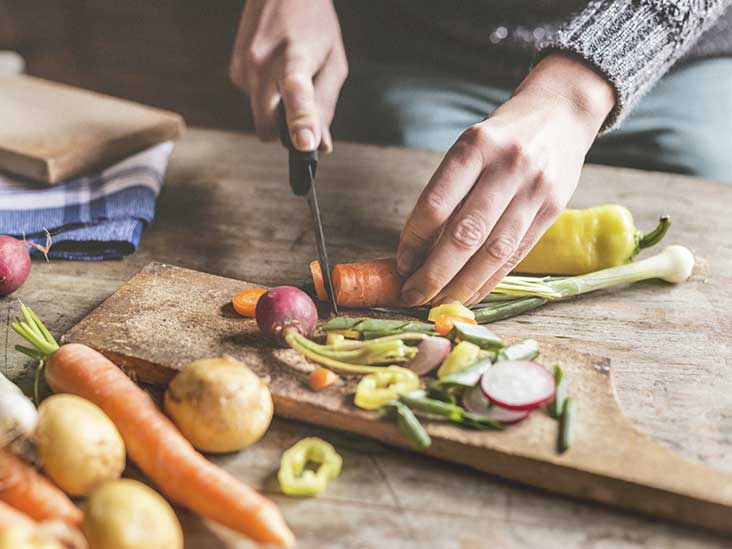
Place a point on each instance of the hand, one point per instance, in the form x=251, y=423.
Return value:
x=291, y=50
x=502, y=184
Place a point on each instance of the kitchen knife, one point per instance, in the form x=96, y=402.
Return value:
x=302, y=166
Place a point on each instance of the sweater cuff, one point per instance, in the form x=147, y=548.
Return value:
x=632, y=43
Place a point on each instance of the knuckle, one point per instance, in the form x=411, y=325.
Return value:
x=469, y=231
x=414, y=237
x=476, y=135
x=516, y=154
x=552, y=207
x=433, y=281
x=501, y=248
x=435, y=207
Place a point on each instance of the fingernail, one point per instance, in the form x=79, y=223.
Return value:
x=305, y=140
x=405, y=262
x=412, y=297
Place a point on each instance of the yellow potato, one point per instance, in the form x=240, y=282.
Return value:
x=219, y=404
x=127, y=514
x=27, y=537
x=78, y=445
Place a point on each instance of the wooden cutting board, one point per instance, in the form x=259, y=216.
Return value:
x=167, y=316
x=51, y=132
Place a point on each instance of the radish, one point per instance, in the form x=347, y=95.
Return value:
x=518, y=384
x=474, y=401
x=284, y=310
x=430, y=353
x=15, y=264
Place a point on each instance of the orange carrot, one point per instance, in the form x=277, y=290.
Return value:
x=158, y=448
x=320, y=378
x=10, y=517
x=28, y=491
x=369, y=284
x=245, y=302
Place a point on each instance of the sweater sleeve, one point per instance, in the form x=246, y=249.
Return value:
x=634, y=42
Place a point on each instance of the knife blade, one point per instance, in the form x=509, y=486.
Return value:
x=302, y=166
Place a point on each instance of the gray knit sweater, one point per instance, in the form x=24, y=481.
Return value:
x=632, y=42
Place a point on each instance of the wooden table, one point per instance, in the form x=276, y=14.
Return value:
x=227, y=209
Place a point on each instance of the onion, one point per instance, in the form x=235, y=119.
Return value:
x=431, y=352
x=284, y=310
x=15, y=264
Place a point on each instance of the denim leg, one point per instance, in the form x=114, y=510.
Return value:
x=684, y=125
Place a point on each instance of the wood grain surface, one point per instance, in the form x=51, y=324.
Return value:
x=51, y=132
x=227, y=209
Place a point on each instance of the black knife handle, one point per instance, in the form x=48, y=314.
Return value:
x=302, y=164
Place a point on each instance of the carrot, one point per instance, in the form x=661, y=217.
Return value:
x=320, y=378
x=28, y=491
x=10, y=517
x=245, y=302
x=369, y=284
x=445, y=323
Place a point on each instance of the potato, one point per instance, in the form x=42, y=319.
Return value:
x=78, y=445
x=127, y=514
x=27, y=537
x=219, y=404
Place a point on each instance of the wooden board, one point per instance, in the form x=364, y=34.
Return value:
x=51, y=132
x=166, y=316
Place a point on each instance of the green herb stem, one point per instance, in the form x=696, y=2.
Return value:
x=566, y=426
x=560, y=394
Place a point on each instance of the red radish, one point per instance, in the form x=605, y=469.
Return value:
x=286, y=309
x=474, y=401
x=15, y=264
x=518, y=384
x=430, y=353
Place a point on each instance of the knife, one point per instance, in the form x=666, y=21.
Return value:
x=302, y=166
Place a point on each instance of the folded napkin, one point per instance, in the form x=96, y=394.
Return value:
x=92, y=217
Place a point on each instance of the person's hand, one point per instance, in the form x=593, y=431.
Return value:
x=502, y=184
x=293, y=50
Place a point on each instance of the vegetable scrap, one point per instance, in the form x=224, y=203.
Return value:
x=295, y=476
x=376, y=389
x=245, y=301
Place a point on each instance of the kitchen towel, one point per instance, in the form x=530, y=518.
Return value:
x=93, y=217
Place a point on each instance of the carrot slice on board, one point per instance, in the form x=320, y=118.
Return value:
x=368, y=284
x=245, y=302
x=320, y=378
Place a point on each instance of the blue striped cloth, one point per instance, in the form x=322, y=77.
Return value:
x=92, y=217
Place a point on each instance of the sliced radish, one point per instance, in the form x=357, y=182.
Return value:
x=431, y=352
x=518, y=384
x=475, y=402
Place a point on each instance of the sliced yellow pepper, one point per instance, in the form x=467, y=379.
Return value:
x=464, y=354
x=450, y=309
x=375, y=390
x=296, y=480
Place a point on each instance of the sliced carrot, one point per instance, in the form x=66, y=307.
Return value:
x=158, y=448
x=320, y=378
x=28, y=491
x=245, y=302
x=369, y=284
x=445, y=323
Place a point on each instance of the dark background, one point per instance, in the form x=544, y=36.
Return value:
x=166, y=53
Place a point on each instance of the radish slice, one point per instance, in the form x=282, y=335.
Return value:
x=431, y=352
x=475, y=402
x=518, y=384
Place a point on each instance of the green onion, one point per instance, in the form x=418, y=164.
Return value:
x=408, y=424
x=560, y=394
x=418, y=400
x=566, y=426
x=526, y=349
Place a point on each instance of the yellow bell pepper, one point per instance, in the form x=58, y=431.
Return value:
x=582, y=241
x=463, y=355
x=450, y=309
x=296, y=480
x=375, y=390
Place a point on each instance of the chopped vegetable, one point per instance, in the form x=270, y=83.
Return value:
x=78, y=445
x=371, y=328
x=526, y=349
x=18, y=416
x=219, y=404
x=450, y=309
x=560, y=394
x=284, y=310
x=673, y=264
x=582, y=241
x=25, y=489
x=475, y=402
x=245, y=302
x=15, y=263
x=431, y=352
x=127, y=514
x=296, y=479
x=320, y=378
x=376, y=389
x=477, y=335
x=464, y=379
x=445, y=323
x=408, y=424
x=334, y=339
x=518, y=384
x=566, y=426
x=463, y=355
x=368, y=284
x=418, y=400
x=154, y=443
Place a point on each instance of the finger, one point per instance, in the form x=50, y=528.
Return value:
x=264, y=100
x=328, y=83
x=540, y=224
x=463, y=236
x=298, y=95
x=451, y=182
